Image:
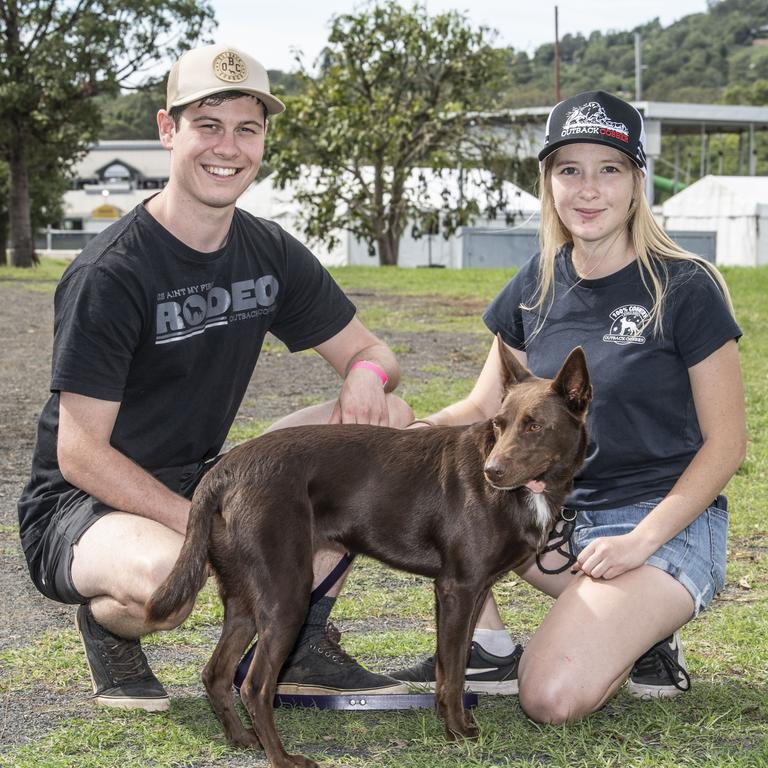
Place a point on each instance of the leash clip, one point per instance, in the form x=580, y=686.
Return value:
x=557, y=542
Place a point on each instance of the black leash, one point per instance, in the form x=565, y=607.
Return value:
x=317, y=593
x=320, y=590
x=558, y=540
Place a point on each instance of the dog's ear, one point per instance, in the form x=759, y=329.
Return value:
x=513, y=370
x=572, y=382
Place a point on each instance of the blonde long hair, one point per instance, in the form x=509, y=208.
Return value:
x=653, y=246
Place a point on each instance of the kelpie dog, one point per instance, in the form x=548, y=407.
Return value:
x=462, y=505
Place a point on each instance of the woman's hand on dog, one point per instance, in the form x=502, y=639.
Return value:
x=609, y=557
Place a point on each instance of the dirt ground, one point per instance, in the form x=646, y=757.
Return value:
x=278, y=387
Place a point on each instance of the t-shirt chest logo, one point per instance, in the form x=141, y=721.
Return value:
x=627, y=325
x=188, y=311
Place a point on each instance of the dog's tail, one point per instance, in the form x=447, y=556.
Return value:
x=190, y=570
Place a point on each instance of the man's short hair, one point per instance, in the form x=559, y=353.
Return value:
x=215, y=100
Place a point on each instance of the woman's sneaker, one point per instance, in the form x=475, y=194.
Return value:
x=485, y=673
x=119, y=670
x=660, y=673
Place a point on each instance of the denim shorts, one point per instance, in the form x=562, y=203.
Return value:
x=695, y=557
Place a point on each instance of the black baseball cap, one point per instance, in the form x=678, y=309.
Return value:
x=596, y=117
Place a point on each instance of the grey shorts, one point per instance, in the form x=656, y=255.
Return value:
x=75, y=512
x=695, y=557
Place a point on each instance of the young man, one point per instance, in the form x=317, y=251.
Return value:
x=158, y=326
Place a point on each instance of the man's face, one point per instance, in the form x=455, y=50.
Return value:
x=216, y=151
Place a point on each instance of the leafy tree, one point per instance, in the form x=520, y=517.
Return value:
x=56, y=56
x=47, y=184
x=396, y=91
x=131, y=115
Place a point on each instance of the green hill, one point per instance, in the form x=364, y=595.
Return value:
x=717, y=56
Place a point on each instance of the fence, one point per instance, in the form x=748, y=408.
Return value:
x=481, y=247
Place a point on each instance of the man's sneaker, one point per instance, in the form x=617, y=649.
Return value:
x=119, y=670
x=485, y=672
x=660, y=673
x=321, y=667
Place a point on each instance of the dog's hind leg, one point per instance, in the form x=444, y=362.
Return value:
x=238, y=630
x=456, y=607
x=285, y=578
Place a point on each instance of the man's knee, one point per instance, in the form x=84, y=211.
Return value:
x=400, y=413
x=151, y=572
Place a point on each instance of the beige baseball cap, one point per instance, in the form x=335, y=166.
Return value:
x=211, y=69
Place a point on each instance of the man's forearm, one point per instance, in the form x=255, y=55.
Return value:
x=118, y=482
x=382, y=356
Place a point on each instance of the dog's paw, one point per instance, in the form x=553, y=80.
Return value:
x=301, y=762
x=462, y=731
x=245, y=738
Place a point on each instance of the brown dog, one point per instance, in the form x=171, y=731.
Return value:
x=446, y=502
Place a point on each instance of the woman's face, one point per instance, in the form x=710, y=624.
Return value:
x=592, y=188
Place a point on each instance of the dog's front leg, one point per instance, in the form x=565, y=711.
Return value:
x=456, y=603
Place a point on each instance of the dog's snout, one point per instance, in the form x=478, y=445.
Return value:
x=494, y=470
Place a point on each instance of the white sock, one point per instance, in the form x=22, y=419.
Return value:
x=496, y=641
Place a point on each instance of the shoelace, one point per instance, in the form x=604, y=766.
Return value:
x=659, y=661
x=329, y=645
x=125, y=660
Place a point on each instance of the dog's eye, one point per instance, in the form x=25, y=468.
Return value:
x=533, y=427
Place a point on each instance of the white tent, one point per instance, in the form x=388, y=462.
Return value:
x=434, y=190
x=735, y=207
x=264, y=199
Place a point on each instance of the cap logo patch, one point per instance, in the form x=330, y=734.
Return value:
x=230, y=67
x=592, y=118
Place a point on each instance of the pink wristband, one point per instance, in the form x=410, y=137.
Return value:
x=377, y=369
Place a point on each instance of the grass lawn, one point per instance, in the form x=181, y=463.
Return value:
x=722, y=722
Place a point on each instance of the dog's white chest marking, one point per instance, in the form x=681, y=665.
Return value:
x=539, y=506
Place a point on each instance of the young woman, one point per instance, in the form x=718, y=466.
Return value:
x=667, y=425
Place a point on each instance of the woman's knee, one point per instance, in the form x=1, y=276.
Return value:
x=555, y=700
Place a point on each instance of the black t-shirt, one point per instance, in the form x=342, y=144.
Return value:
x=642, y=421
x=173, y=335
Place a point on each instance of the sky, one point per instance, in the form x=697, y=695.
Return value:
x=271, y=30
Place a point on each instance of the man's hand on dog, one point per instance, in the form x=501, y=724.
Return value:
x=611, y=556
x=362, y=400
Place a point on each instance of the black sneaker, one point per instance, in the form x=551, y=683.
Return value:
x=321, y=667
x=660, y=673
x=119, y=670
x=485, y=672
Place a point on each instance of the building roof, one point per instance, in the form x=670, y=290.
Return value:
x=147, y=157
x=675, y=117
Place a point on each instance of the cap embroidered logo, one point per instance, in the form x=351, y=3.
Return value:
x=592, y=118
x=228, y=66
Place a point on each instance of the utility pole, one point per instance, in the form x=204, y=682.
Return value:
x=557, y=61
x=638, y=68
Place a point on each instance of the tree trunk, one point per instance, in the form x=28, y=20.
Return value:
x=389, y=250
x=3, y=240
x=22, y=243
